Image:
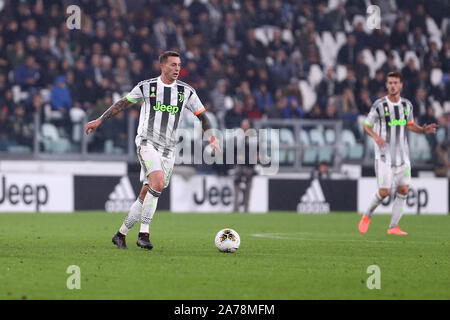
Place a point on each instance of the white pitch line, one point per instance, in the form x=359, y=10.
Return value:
x=283, y=237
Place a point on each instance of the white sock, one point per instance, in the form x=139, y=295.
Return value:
x=373, y=205
x=397, y=209
x=132, y=217
x=148, y=210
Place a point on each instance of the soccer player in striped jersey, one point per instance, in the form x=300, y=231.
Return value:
x=164, y=99
x=386, y=123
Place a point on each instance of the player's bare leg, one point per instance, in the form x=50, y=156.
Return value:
x=156, y=185
x=378, y=198
x=131, y=219
x=397, y=211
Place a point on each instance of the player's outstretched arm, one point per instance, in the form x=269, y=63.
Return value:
x=426, y=129
x=206, y=125
x=117, y=107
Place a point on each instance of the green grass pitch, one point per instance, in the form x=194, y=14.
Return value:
x=282, y=256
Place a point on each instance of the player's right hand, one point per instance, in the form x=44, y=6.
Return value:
x=380, y=142
x=91, y=126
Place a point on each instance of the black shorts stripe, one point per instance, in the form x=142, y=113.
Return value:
x=180, y=103
x=165, y=118
x=387, y=119
x=397, y=133
x=151, y=117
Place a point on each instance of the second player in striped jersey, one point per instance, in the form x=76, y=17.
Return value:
x=386, y=123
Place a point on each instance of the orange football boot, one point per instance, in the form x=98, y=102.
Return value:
x=396, y=230
x=364, y=224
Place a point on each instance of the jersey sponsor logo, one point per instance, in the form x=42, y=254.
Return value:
x=313, y=201
x=168, y=108
x=395, y=122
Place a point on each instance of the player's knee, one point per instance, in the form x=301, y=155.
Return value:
x=157, y=185
x=403, y=190
x=384, y=192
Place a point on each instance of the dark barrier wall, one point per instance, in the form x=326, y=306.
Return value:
x=313, y=195
x=111, y=193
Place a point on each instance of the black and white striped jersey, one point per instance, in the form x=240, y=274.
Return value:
x=161, y=111
x=389, y=120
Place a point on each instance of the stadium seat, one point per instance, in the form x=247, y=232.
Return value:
x=52, y=141
x=436, y=77
x=412, y=55
x=432, y=28
x=341, y=72
x=315, y=75
x=355, y=150
x=380, y=59
x=317, y=137
x=308, y=94
x=369, y=60
x=326, y=154
x=287, y=138
x=19, y=149
x=330, y=136
x=109, y=148
x=309, y=153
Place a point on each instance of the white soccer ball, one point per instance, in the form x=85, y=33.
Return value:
x=227, y=240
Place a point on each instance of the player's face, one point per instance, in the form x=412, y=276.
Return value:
x=393, y=85
x=171, y=68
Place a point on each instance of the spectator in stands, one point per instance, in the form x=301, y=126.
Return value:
x=278, y=112
x=378, y=39
x=5, y=130
x=315, y=113
x=361, y=68
x=348, y=52
x=431, y=138
x=378, y=83
x=364, y=102
x=399, y=36
x=60, y=98
x=251, y=110
x=331, y=112
x=337, y=18
x=321, y=172
x=326, y=87
x=234, y=117
x=410, y=74
x=432, y=57
x=27, y=75
x=442, y=165
x=420, y=104
x=245, y=167
x=37, y=107
x=21, y=127
x=263, y=98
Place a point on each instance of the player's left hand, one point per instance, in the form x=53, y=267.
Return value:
x=92, y=126
x=430, y=128
x=214, y=142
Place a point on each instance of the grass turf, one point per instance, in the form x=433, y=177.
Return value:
x=282, y=256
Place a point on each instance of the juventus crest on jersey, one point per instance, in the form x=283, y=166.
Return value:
x=389, y=121
x=161, y=110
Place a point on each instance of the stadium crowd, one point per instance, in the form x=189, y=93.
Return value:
x=247, y=59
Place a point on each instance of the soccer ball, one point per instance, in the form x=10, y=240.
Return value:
x=227, y=240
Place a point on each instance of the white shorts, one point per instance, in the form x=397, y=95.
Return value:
x=389, y=176
x=151, y=160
